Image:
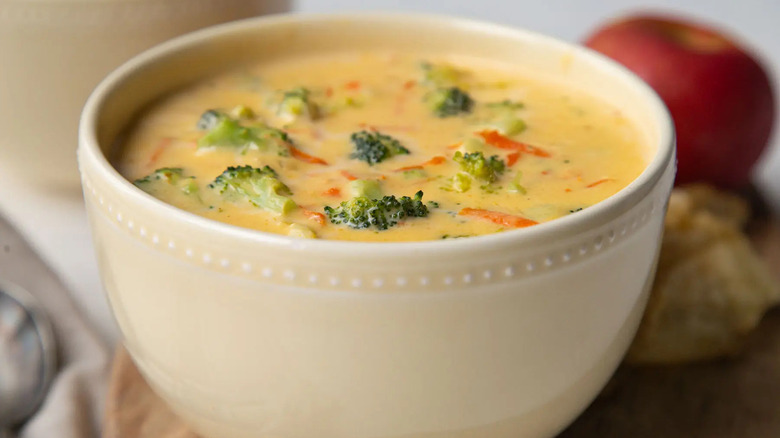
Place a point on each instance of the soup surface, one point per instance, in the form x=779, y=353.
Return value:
x=381, y=147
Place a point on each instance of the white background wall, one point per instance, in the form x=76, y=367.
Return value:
x=755, y=22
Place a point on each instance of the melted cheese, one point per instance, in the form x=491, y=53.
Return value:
x=594, y=151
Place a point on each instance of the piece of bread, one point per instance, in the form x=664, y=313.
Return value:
x=711, y=288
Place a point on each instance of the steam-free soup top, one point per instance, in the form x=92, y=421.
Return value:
x=381, y=147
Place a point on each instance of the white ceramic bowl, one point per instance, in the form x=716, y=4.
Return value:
x=54, y=52
x=250, y=334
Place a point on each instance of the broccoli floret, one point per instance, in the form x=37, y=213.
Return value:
x=362, y=212
x=259, y=186
x=368, y=188
x=374, y=147
x=479, y=167
x=173, y=176
x=447, y=102
x=296, y=103
x=225, y=131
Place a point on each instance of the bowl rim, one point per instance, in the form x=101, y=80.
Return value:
x=589, y=218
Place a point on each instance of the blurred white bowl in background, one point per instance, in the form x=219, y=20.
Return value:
x=54, y=52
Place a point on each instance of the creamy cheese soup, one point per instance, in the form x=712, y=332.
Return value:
x=381, y=147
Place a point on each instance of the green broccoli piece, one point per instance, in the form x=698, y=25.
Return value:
x=510, y=125
x=368, y=188
x=298, y=230
x=515, y=186
x=225, y=131
x=296, y=103
x=504, y=117
x=242, y=112
x=374, y=147
x=209, y=119
x=479, y=167
x=461, y=182
x=441, y=75
x=362, y=212
x=259, y=186
x=447, y=102
x=173, y=176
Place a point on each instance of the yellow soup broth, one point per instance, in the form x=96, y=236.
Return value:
x=490, y=148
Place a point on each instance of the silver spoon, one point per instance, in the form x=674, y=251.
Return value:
x=27, y=356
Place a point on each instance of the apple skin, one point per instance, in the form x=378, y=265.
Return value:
x=719, y=95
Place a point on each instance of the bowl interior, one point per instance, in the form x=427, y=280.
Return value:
x=184, y=60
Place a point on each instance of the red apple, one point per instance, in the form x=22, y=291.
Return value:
x=718, y=93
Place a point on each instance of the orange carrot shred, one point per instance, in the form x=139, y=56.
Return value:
x=512, y=158
x=348, y=175
x=329, y=92
x=408, y=85
x=333, y=191
x=164, y=143
x=601, y=181
x=303, y=156
x=455, y=145
x=498, y=218
x=315, y=216
x=495, y=139
x=352, y=85
x=432, y=162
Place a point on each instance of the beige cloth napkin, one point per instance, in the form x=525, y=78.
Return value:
x=74, y=405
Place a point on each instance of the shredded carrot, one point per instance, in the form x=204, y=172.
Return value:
x=348, y=175
x=546, y=172
x=352, y=85
x=495, y=139
x=432, y=162
x=404, y=169
x=303, y=156
x=498, y=218
x=329, y=92
x=601, y=181
x=408, y=85
x=315, y=216
x=455, y=145
x=567, y=190
x=512, y=158
x=333, y=191
x=164, y=143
